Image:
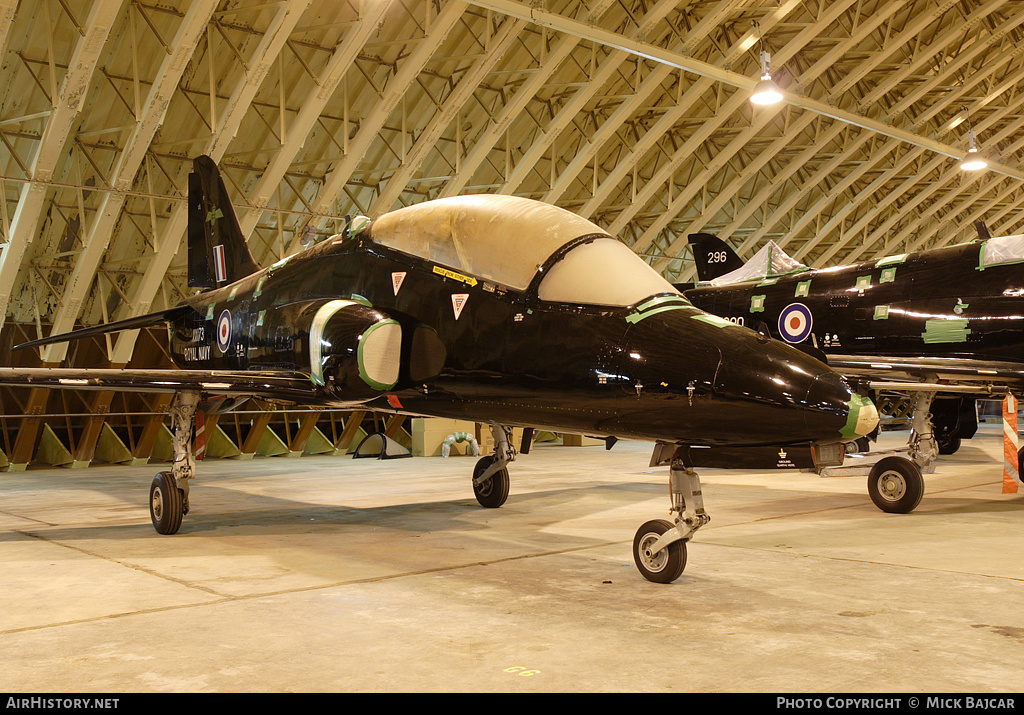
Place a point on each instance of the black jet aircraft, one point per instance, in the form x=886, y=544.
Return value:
x=944, y=324
x=496, y=309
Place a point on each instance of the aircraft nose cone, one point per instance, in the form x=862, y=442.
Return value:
x=834, y=407
x=863, y=417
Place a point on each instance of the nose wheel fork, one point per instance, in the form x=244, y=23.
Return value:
x=659, y=547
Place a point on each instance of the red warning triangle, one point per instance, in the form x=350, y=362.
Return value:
x=396, y=280
x=458, y=303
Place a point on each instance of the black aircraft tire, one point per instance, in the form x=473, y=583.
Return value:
x=494, y=491
x=895, y=485
x=665, y=566
x=166, y=507
x=858, y=446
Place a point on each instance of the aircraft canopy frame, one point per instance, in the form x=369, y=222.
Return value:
x=1002, y=249
x=769, y=262
x=508, y=239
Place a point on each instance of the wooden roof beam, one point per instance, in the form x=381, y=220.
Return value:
x=50, y=148
x=127, y=167
x=230, y=118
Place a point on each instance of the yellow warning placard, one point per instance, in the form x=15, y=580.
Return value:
x=447, y=273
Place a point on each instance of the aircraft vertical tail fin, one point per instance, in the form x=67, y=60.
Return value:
x=217, y=251
x=712, y=256
x=982, y=229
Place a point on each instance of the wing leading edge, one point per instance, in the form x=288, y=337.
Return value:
x=943, y=374
x=281, y=385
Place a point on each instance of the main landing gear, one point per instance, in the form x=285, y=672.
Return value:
x=895, y=477
x=168, y=493
x=896, y=484
x=659, y=547
x=490, y=475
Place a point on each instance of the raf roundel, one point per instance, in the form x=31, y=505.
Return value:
x=795, y=323
x=224, y=330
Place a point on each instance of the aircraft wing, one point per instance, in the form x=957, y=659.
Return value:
x=921, y=373
x=282, y=385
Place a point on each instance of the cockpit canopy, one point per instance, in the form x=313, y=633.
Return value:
x=506, y=240
x=770, y=261
x=1002, y=249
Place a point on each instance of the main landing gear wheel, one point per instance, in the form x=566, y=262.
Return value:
x=895, y=485
x=168, y=493
x=166, y=504
x=666, y=565
x=492, y=492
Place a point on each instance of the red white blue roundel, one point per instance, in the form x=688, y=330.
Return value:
x=224, y=330
x=795, y=323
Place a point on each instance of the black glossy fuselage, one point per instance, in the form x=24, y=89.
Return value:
x=943, y=303
x=661, y=370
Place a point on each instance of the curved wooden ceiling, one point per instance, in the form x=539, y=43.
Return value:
x=632, y=113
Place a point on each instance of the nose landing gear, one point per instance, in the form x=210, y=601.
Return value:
x=659, y=547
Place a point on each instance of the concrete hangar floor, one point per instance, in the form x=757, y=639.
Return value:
x=329, y=574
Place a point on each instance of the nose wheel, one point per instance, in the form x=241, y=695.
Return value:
x=491, y=491
x=166, y=504
x=663, y=566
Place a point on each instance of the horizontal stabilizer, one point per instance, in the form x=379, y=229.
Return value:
x=141, y=321
x=281, y=385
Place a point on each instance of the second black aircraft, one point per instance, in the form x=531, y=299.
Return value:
x=945, y=325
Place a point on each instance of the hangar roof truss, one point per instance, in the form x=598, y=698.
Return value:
x=632, y=113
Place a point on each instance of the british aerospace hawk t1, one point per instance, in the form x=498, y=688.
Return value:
x=944, y=325
x=497, y=309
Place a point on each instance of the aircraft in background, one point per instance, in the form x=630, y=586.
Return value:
x=945, y=325
x=496, y=309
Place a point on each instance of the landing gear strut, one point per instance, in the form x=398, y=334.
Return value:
x=896, y=484
x=923, y=447
x=490, y=476
x=659, y=547
x=168, y=493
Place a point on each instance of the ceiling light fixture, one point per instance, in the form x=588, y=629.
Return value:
x=765, y=91
x=973, y=160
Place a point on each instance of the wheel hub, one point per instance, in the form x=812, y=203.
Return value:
x=653, y=562
x=157, y=503
x=892, y=486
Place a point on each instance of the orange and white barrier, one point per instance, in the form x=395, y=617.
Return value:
x=200, y=433
x=1011, y=445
